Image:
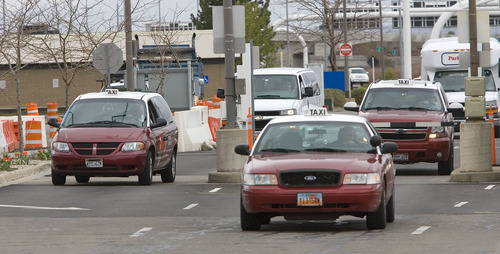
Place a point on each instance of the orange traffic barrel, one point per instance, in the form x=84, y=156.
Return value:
x=33, y=134
x=52, y=113
x=32, y=109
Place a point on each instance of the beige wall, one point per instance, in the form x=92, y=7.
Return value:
x=36, y=86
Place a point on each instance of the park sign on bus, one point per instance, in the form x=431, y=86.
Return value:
x=345, y=49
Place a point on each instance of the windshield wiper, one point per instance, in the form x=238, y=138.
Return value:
x=324, y=149
x=269, y=96
x=280, y=150
x=379, y=108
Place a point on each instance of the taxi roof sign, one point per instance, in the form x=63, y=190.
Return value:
x=318, y=112
x=403, y=81
x=111, y=91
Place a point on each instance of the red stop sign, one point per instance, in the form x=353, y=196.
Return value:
x=346, y=49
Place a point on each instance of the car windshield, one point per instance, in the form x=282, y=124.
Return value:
x=403, y=98
x=454, y=81
x=321, y=136
x=275, y=87
x=358, y=71
x=106, y=112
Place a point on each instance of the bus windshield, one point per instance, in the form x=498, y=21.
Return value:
x=275, y=87
x=454, y=81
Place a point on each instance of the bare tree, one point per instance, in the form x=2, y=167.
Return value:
x=14, y=40
x=322, y=21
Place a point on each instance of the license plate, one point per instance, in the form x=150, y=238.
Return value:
x=93, y=163
x=400, y=156
x=309, y=199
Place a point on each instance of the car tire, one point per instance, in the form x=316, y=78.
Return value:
x=249, y=221
x=390, y=209
x=58, y=179
x=446, y=167
x=82, y=179
x=378, y=219
x=146, y=177
x=168, y=174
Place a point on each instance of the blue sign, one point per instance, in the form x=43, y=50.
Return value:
x=205, y=79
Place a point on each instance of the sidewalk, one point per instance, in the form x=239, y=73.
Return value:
x=24, y=171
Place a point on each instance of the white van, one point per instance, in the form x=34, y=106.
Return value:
x=284, y=91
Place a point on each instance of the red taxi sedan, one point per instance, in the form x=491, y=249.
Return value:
x=318, y=168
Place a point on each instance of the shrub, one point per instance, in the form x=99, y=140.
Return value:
x=389, y=74
x=337, y=95
x=358, y=94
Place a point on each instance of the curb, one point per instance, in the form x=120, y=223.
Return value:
x=7, y=176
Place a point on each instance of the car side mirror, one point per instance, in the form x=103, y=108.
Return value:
x=389, y=147
x=376, y=141
x=455, y=107
x=159, y=122
x=54, y=123
x=308, y=92
x=351, y=106
x=242, y=149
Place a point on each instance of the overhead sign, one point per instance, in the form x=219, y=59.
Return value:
x=107, y=58
x=345, y=49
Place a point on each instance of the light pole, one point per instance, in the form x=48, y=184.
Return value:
x=287, y=38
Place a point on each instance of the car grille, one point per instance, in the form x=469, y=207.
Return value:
x=417, y=133
x=309, y=178
x=267, y=113
x=259, y=125
x=101, y=148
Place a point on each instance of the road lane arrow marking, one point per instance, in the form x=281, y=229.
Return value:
x=141, y=232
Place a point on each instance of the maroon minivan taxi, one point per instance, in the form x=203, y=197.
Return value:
x=115, y=134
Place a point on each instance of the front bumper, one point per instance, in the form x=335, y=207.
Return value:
x=434, y=150
x=343, y=199
x=116, y=164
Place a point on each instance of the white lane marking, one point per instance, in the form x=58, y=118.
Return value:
x=189, y=206
x=490, y=187
x=461, y=204
x=420, y=230
x=141, y=232
x=46, y=208
x=215, y=190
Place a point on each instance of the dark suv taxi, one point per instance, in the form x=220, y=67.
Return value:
x=116, y=134
x=414, y=114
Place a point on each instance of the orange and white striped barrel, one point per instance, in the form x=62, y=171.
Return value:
x=52, y=113
x=33, y=134
x=32, y=108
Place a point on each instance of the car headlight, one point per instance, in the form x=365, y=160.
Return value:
x=288, y=112
x=260, y=179
x=132, y=146
x=437, y=132
x=370, y=178
x=60, y=147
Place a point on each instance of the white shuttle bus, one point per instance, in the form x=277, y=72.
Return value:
x=440, y=62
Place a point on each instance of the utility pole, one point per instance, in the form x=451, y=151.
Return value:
x=129, y=61
x=381, y=39
x=229, y=65
x=346, y=59
x=474, y=55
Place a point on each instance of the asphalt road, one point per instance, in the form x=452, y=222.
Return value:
x=117, y=215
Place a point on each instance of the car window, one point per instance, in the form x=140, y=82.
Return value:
x=321, y=136
x=163, y=108
x=403, y=98
x=275, y=87
x=454, y=81
x=106, y=112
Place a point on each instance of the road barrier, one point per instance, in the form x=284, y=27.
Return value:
x=194, y=131
x=9, y=134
